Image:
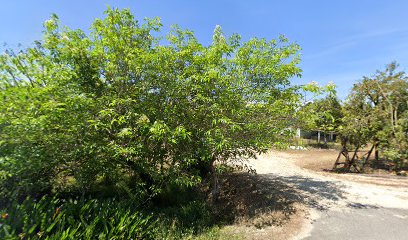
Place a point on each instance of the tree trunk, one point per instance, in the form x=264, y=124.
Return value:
x=367, y=159
x=376, y=154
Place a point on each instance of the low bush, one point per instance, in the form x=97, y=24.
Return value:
x=53, y=218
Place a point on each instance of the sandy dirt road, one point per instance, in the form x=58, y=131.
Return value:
x=340, y=207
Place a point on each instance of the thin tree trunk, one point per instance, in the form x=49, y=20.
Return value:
x=368, y=156
x=376, y=154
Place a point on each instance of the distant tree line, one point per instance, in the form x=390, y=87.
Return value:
x=375, y=113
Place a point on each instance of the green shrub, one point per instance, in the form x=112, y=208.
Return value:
x=118, y=107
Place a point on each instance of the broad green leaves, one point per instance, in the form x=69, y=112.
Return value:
x=123, y=107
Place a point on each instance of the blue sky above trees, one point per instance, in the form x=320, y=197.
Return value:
x=341, y=41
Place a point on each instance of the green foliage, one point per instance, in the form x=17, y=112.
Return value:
x=51, y=218
x=324, y=114
x=120, y=107
x=376, y=112
x=184, y=220
x=58, y=218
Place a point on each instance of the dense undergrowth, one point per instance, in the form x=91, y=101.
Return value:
x=53, y=218
x=105, y=218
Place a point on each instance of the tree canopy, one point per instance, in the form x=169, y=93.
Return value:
x=324, y=113
x=125, y=106
x=376, y=112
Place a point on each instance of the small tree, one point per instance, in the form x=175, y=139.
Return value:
x=322, y=114
x=374, y=113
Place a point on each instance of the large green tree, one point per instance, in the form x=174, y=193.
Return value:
x=121, y=106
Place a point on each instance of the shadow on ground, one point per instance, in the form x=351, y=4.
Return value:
x=267, y=199
x=308, y=191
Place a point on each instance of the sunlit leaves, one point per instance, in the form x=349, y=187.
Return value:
x=124, y=104
x=376, y=113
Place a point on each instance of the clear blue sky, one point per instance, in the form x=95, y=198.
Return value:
x=341, y=40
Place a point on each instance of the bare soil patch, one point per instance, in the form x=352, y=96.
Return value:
x=315, y=159
x=322, y=160
x=259, y=207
